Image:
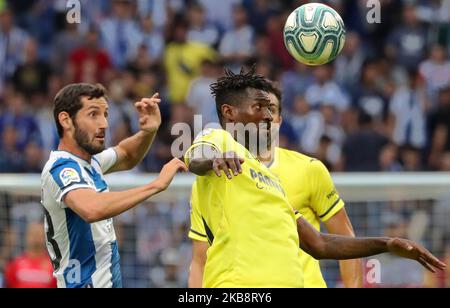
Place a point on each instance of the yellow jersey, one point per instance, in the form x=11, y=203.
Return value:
x=248, y=222
x=182, y=63
x=311, y=191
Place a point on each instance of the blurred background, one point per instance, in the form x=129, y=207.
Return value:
x=382, y=106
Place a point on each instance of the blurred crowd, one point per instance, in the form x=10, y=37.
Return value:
x=383, y=105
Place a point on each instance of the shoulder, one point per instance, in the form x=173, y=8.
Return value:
x=63, y=170
x=298, y=159
x=294, y=157
x=212, y=133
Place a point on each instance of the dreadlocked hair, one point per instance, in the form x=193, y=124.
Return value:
x=232, y=88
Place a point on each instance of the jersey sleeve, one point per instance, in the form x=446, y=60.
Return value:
x=325, y=200
x=67, y=175
x=197, y=231
x=218, y=139
x=106, y=159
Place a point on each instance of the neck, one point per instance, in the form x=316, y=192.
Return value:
x=70, y=146
x=267, y=157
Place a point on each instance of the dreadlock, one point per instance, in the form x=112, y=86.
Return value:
x=232, y=88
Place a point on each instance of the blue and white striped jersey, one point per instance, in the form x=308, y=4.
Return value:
x=84, y=255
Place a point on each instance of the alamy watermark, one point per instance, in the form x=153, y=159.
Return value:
x=73, y=15
x=374, y=11
x=373, y=275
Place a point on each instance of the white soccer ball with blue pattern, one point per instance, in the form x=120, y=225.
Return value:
x=314, y=34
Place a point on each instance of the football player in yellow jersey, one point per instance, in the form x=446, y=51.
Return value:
x=250, y=225
x=309, y=189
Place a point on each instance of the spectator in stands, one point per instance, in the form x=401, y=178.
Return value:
x=89, y=63
x=349, y=63
x=199, y=97
x=411, y=158
x=406, y=45
x=21, y=120
x=368, y=97
x=325, y=89
x=152, y=40
x=361, y=150
x=64, y=43
x=32, y=269
x=436, y=71
x=308, y=125
x=182, y=62
x=10, y=157
x=199, y=29
x=408, y=108
x=389, y=161
x=120, y=33
x=236, y=46
x=31, y=77
x=295, y=82
x=12, y=42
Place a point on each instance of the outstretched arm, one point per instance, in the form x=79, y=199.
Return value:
x=132, y=150
x=92, y=206
x=327, y=246
x=205, y=158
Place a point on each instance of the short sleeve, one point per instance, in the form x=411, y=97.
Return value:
x=106, y=159
x=325, y=200
x=67, y=175
x=218, y=139
x=197, y=231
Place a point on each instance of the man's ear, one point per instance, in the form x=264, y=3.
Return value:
x=281, y=120
x=65, y=120
x=228, y=112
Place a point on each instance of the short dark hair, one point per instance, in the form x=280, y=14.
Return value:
x=69, y=100
x=231, y=88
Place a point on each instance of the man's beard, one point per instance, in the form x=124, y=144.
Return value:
x=82, y=139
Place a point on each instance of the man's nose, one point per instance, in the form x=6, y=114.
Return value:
x=268, y=117
x=104, y=123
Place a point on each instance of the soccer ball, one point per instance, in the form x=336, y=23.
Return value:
x=314, y=34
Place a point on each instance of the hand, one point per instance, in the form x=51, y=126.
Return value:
x=168, y=172
x=410, y=250
x=149, y=114
x=227, y=162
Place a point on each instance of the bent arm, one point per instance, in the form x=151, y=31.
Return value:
x=131, y=151
x=92, y=206
x=201, y=159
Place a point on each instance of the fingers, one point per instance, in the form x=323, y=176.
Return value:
x=179, y=165
x=147, y=103
x=237, y=161
x=224, y=166
x=427, y=257
x=426, y=265
x=217, y=169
